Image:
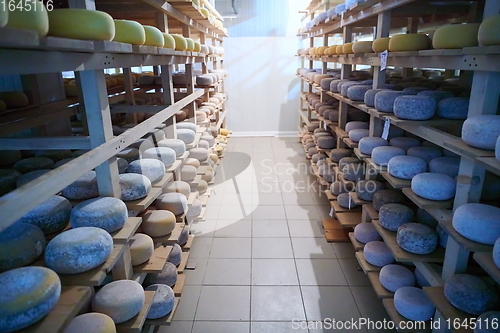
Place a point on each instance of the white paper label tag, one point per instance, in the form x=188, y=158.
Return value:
x=383, y=60
x=387, y=125
x=350, y=200
x=331, y=212
x=325, y=126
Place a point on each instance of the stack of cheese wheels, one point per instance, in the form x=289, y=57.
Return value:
x=81, y=24
x=445, y=36
x=409, y=42
x=489, y=31
x=130, y=32
x=19, y=18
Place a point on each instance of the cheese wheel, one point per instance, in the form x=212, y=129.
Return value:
x=393, y=277
x=8, y=180
x=130, y=154
x=129, y=32
x=378, y=254
x=445, y=37
x=406, y=167
x=489, y=31
x=412, y=107
x=478, y=222
x=434, y=186
x=417, y=238
x=332, y=50
x=134, y=186
x=384, y=100
x=50, y=216
x=176, y=144
x=195, y=209
x=365, y=232
x=178, y=187
x=201, y=154
x=158, y=223
x=27, y=295
x=190, y=44
x=174, y=202
x=36, y=19
x=154, y=36
x=175, y=256
x=393, y=215
x=20, y=245
x=384, y=197
x=481, y=131
x=180, y=42
x=33, y=163
x=141, y=249
x=106, y=213
x=487, y=322
x=453, y=108
x=470, y=294
x=81, y=24
x=163, y=301
x=168, y=276
x=404, y=143
x=153, y=169
x=168, y=41
x=91, y=323
x=362, y=47
x=340, y=49
x=347, y=48
x=188, y=173
x=78, y=250
x=197, y=46
x=367, y=144
x=192, y=161
x=409, y=42
x=382, y=154
x=164, y=154
x=355, y=125
x=14, y=99
x=121, y=300
x=204, y=12
x=412, y=303
x=30, y=176
x=425, y=153
x=366, y=189
x=85, y=187
x=381, y=44
x=55, y=155
x=186, y=135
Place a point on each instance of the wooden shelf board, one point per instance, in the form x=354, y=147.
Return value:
x=350, y=143
x=424, y=203
x=182, y=265
x=171, y=238
x=194, y=144
x=448, y=311
x=179, y=285
x=329, y=195
x=164, y=181
x=142, y=204
x=187, y=246
x=459, y=146
x=378, y=287
x=180, y=218
x=123, y=235
x=192, y=197
x=195, y=182
x=166, y=320
x=490, y=163
x=135, y=324
x=396, y=182
x=401, y=255
x=339, y=209
x=157, y=261
x=398, y=319
x=358, y=246
x=360, y=155
x=340, y=132
x=365, y=265
x=349, y=219
x=72, y=302
x=467, y=244
x=485, y=260
x=204, y=199
x=177, y=164
x=370, y=210
x=357, y=200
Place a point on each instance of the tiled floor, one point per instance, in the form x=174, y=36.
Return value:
x=262, y=263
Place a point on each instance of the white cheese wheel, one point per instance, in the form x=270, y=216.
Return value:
x=176, y=144
x=192, y=161
x=158, y=223
x=434, y=186
x=130, y=32
x=20, y=245
x=188, y=173
x=180, y=42
x=393, y=277
x=365, y=232
x=141, y=249
x=92, y=322
x=195, y=209
x=83, y=188
x=412, y=303
x=470, y=294
x=445, y=37
x=406, y=167
x=164, y=154
x=203, y=144
x=153, y=169
x=380, y=44
x=481, y=131
x=186, y=135
x=121, y=300
x=409, y=42
x=178, y=187
x=106, y=213
x=50, y=216
x=202, y=187
x=134, y=186
x=413, y=107
x=478, y=222
x=174, y=202
x=35, y=19
x=209, y=138
x=378, y=254
x=27, y=295
x=163, y=301
x=175, y=256
x=81, y=24
x=489, y=31
x=362, y=47
x=367, y=144
x=78, y=250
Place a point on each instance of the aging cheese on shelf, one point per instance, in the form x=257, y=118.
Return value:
x=154, y=36
x=362, y=47
x=197, y=46
x=168, y=41
x=174, y=202
x=188, y=173
x=411, y=107
x=27, y=295
x=153, y=169
x=141, y=249
x=456, y=36
x=106, y=213
x=175, y=256
x=190, y=44
x=404, y=143
x=20, y=245
x=130, y=32
x=481, y=131
x=489, y=31
x=164, y=154
x=163, y=301
x=393, y=215
x=413, y=303
x=384, y=197
x=393, y=277
x=434, y=186
x=417, y=238
x=366, y=145
x=470, y=294
x=50, y=216
x=176, y=144
x=478, y=222
x=378, y=254
x=409, y=42
x=425, y=153
x=406, y=167
x=195, y=209
x=180, y=42
x=365, y=232
x=382, y=154
x=14, y=99
x=134, y=186
x=380, y=44
x=81, y=24
x=92, y=322
x=358, y=134
x=35, y=19
x=347, y=48
x=158, y=223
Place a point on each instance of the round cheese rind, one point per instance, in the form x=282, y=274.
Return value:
x=489, y=31
x=50, y=216
x=445, y=37
x=417, y=238
x=130, y=32
x=174, y=202
x=81, y=24
x=153, y=169
x=168, y=41
x=134, y=186
x=141, y=249
x=393, y=277
x=121, y=300
x=164, y=154
x=20, y=245
x=158, y=223
x=470, y=294
x=106, y=213
x=163, y=301
x=380, y=44
x=434, y=186
x=36, y=19
x=406, y=167
x=154, y=36
x=362, y=47
x=481, y=131
x=478, y=222
x=413, y=303
x=378, y=254
x=178, y=187
x=14, y=99
x=180, y=42
x=365, y=232
x=83, y=188
x=409, y=42
x=92, y=322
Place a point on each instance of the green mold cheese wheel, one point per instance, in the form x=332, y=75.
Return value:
x=168, y=41
x=129, y=32
x=81, y=24
x=36, y=19
x=27, y=295
x=180, y=43
x=154, y=37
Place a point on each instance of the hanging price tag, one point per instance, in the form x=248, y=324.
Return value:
x=331, y=212
x=350, y=200
x=387, y=125
x=325, y=126
x=383, y=60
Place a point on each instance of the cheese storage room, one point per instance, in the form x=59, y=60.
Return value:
x=249, y=166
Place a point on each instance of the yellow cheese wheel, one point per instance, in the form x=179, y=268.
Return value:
x=489, y=31
x=321, y=50
x=70, y=90
x=130, y=32
x=154, y=37
x=36, y=19
x=224, y=131
x=333, y=49
x=81, y=24
x=362, y=47
x=196, y=2
x=204, y=12
x=158, y=223
x=4, y=17
x=14, y=99
x=190, y=44
x=197, y=46
x=312, y=50
x=347, y=48
x=409, y=42
x=3, y=106
x=327, y=52
x=141, y=249
x=180, y=43
x=169, y=41
x=456, y=36
x=340, y=49
x=381, y=44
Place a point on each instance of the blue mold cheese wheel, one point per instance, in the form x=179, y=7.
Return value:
x=367, y=144
x=380, y=44
x=470, y=294
x=434, y=186
x=365, y=232
x=163, y=301
x=481, y=131
x=190, y=44
x=487, y=322
x=121, y=300
x=366, y=189
x=409, y=42
x=78, y=250
x=154, y=36
x=425, y=153
x=384, y=100
x=478, y=222
x=406, y=167
x=164, y=154
x=413, y=107
x=393, y=215
x=393, y=277
x=85, y=187
x=158, y=223
x=489, y=31
x=20, y=245
x=445, y=37
x=35, y=19
x=180, y=42
x=384, y=197
x=168, y=41
x=412, y=303
x=417, y=238
x=129, y=32
x=50, y=216
x=134, y=186
x=92, y=322
x=81, y=24
x=153, y=169
x=176, y=144
x=27, y=295
x=383, y=154
x=378, y=254
x=186, y=135
x=141, y=249
x=445, y=165
x=30, y=176
x=106, y=213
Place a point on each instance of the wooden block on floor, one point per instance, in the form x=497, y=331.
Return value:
x=358, y=246
x=135, y=324
x=179, y=285
x=157, y=261
x=337, y=236
x=182, y=265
